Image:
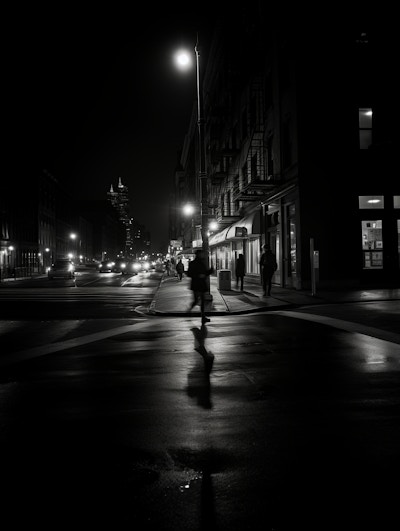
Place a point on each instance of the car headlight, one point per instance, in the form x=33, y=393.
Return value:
x=123, y=266
x=110, y=264
x=136, y=267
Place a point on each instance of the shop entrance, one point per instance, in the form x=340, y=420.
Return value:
x=290, y=248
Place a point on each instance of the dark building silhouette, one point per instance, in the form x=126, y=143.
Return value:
x=29, y=224
x=109, y=235
x=119, y=199
x=42, y=221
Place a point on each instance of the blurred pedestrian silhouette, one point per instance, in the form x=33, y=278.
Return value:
x=240, y=271
x=168, y=267
x=180, y=268
x=268, y=267
x=198, y=271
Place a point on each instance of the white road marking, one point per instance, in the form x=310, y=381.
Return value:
x=349, y=326
x=43, y=350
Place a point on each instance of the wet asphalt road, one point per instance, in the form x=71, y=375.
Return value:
x=252, y=422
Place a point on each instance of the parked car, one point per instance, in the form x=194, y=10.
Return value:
x=62, y=268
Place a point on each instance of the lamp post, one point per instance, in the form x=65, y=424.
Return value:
x=188, y=211
x=11, y=263
x=47, y=259
x=183, y=61
x=74, y=246
x=202, y=160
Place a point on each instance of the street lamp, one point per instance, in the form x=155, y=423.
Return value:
x=189, y=210
x=183, y=61
x=74, y=247
x=47, y=258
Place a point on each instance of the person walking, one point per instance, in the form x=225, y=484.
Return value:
x=167, y=267
x=180, y=268
x=268, y=267
x=240, y=271
x=198, y=272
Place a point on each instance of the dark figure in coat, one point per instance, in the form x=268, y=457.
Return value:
x=198, y=272
x=268, y=267
x=180, y=268
x=240, y=271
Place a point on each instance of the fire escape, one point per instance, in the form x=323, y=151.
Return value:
x=254, y=183
x=220, y=205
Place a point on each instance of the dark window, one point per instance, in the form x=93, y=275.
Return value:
x=244, y=124
x=254, y=167
x=286, y=144
x=270, y=158
x=268, y=91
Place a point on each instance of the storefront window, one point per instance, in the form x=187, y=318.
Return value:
x=398, y=239
x=370, y=201
x=372, y=244
x=365, y=127
x=253, y=256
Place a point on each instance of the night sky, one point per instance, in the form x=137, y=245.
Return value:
x=94, y=96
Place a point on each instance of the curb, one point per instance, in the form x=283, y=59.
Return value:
x=158, y=313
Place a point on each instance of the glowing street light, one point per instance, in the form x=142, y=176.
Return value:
x=188, y=210
x=183, y=60
x=73, y=236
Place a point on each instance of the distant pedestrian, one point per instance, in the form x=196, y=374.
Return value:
x=268, y=267
x=168, y=267
x=198, y=272
x=240, y=271
x=180, y=268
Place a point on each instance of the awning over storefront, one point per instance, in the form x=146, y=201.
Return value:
x=251, y=223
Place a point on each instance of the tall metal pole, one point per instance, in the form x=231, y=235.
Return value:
x=202, y=165
x=202, y=158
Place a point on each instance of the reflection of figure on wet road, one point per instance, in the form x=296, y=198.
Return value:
x=200, y=335
x=198, y=272
x=199, y=381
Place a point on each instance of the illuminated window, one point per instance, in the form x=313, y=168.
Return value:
x=372, y=244
x=370, y=201
x=365, y=127
x=396, y=201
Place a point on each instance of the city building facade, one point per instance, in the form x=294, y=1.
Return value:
x=300, y=153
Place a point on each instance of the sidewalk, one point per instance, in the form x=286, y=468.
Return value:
x=173, y=297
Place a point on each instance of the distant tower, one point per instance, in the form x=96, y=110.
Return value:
x=120, y=201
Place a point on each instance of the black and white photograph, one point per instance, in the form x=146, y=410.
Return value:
x=200, y=268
